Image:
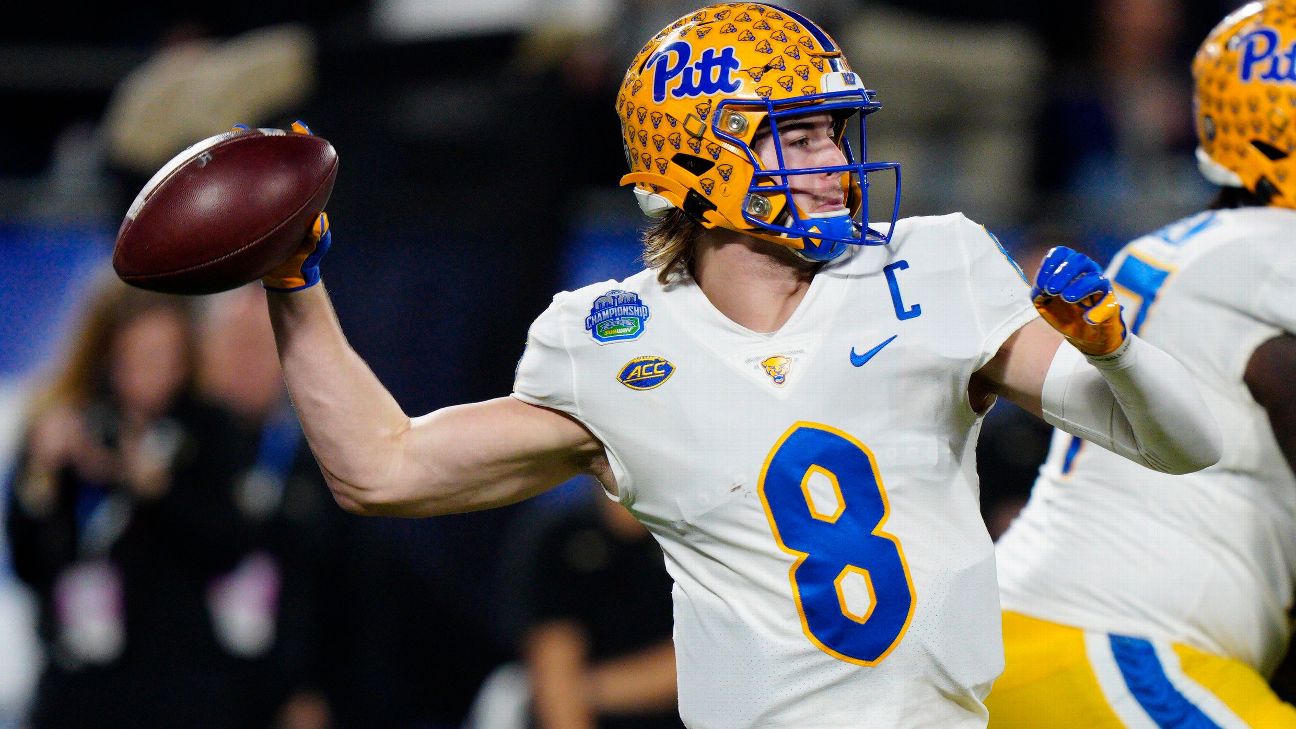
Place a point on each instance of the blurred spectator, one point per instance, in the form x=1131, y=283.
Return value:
x=194, y=87
x=121, y=514
x=595, y=620
x=959, y=99
x=270, y=610
x=1116, y=139
x=320, y=637
x=19, y=653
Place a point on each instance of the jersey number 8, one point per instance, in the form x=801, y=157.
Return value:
x=837, y=545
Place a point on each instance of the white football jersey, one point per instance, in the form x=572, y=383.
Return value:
x=1207, y=558
x=814, y=489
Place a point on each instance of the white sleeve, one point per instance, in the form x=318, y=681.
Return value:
x=1275, y=298
x=1139, y=403
x=999, y=291
x=545, y=375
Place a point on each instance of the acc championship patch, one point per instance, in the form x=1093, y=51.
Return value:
x=645, y=373
x=617, y=316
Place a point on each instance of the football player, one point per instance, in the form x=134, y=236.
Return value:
x=788, y=397
x=1138, y=599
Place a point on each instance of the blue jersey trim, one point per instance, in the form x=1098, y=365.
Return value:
x=1073, y=449
x=1150, y=686
x=1145, y=280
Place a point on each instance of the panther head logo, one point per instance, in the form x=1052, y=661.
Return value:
x=777, y=368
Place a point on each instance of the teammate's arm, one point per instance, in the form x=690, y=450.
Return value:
x=557, y=655
x=1271, y=377
x=570, y=690
x=640, y=682
x=377, y=460
x=1106, y=385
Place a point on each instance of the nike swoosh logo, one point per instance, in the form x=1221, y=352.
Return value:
x=859, y=360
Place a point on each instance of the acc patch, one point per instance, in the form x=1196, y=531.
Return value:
x=617, y=316
x=645, y=373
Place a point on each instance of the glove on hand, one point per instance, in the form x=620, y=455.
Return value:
x=1074, y=297
x=301, y=270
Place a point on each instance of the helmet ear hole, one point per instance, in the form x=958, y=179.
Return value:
x=697, y=206
x=1265, y=190
x=695, y=165
x=1268, y=150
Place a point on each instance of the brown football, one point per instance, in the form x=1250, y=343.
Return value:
x=225, y=211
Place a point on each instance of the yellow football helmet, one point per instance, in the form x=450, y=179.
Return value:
x=1244, y=101
x=696, y=95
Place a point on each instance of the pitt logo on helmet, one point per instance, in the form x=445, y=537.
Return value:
x=710, y=74
x=1261, y=45
x=645, y=373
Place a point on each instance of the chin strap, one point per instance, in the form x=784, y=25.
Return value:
x=833, y=226
x=837, y=225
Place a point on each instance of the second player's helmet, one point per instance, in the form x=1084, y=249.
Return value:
x=1244, y=101
x=697, y=94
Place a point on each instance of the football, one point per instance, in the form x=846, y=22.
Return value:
x=225, y=211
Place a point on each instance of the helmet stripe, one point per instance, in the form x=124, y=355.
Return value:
x=815, y=31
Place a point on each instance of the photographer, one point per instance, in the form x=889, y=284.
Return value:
x=122, y=515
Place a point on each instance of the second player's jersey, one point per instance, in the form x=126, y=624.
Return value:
x=1206, y=559
x=814, y=489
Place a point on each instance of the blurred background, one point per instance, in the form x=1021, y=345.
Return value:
x=479, y=161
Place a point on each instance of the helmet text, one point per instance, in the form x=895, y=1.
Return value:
x=710, y=74
x=1262, y=46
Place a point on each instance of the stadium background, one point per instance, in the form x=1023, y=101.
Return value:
x=479, y=158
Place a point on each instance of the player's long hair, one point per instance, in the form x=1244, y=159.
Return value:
x=81, y=375
x=668, y=244
x=1237, y=197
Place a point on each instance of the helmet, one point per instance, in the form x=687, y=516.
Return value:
x=697, y=94
x=1244, y=101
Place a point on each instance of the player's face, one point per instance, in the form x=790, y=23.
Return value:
x=807, y=141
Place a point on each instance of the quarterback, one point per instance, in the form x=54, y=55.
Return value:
x=1137, y=599
x=788, y=397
